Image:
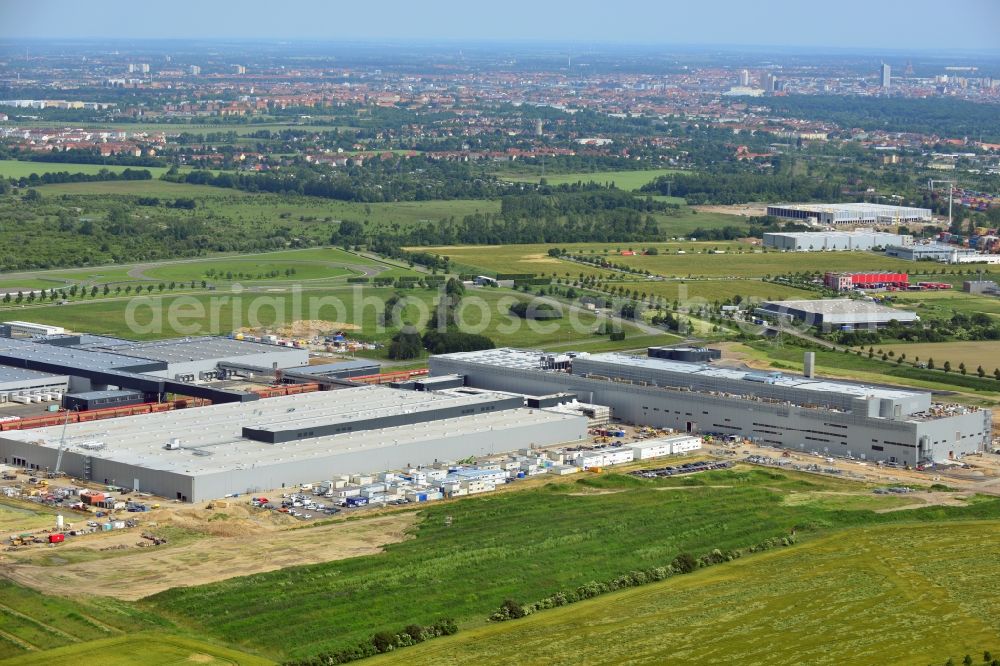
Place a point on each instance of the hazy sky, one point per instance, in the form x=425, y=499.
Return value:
x=866, y=24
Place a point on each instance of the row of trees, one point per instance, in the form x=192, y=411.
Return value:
x=441, y=336
x=741, y=187
x=94, y=291
x=54, y=177
x=380, y=643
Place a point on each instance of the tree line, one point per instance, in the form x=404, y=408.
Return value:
x=738, y=187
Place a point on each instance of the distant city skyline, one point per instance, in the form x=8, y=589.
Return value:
x=916, y=25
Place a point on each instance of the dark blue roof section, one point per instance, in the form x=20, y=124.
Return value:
x=336, y=368
x=96, y=395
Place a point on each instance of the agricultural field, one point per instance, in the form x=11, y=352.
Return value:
x=23, y=169
x=675, y=259
x=136, y=188
x=623, y=180
x=309, y=266
x=201, y=313
x=201, y=550
x=194, y=128
x=942, y=304
x=30, y=621
x=147, y=648
x=268, y=207
x=985, y=353
x=861, y=368
x=754, y=264
x=687, y=219
x=249, y=269
x=467, y=557
x=709, y=291
x=892, y=594
x=514, y=259
x=16, y=517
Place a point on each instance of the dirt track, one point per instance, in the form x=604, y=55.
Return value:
x=139, y=572
x=744, y=210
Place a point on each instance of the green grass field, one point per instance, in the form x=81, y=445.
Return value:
x=30, y=621
x=514, y=259
x=862, y=368
x=710, y=291
x=526, y=545
x=16, y=517
x=675, y=259
x=943, y=304
x=984, y=353
x=897, y=594
x=376, y=216
x=142, y=648
x=22, y=169
x=623, y=180
x=751, y=264
x=313, y=264
x=483, y=311
x=249, y=269
x=138, y=188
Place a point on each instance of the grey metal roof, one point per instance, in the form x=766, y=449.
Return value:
x=95, y=395
x=531, y=360
x=211, y=438
x=11, y=374
x=340, y=366
x=866, y=210
x=843, y=310
x=71, y=357
x=780, y=378
x=90, y=340
x=190, y=349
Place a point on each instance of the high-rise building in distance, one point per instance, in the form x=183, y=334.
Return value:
x=886, y=76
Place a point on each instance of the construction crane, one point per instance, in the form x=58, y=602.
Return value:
x=951, y=194
x=62, y=446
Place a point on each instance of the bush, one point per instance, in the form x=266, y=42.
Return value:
x=405, y=346
x=684, y=563
x=453, y=341
x=381, y=643
x=537, y=311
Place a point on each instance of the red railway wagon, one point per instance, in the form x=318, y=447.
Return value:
x=61, y=417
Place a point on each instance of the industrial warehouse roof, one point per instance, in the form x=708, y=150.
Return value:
x=862, y=209
x=71, y=357
x=780, y=379
x=532, y=360
x=340, y=366
x=211, y=439
x=85, y=340
x=190, y=349
x=504, y=357
x=841, y=310
x=110, y=393
x=9, y=374
x=358, y=404
x=857, y=233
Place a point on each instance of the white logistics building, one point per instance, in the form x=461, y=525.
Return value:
x=210, y=452
x=827, y=241
x=850, y=213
